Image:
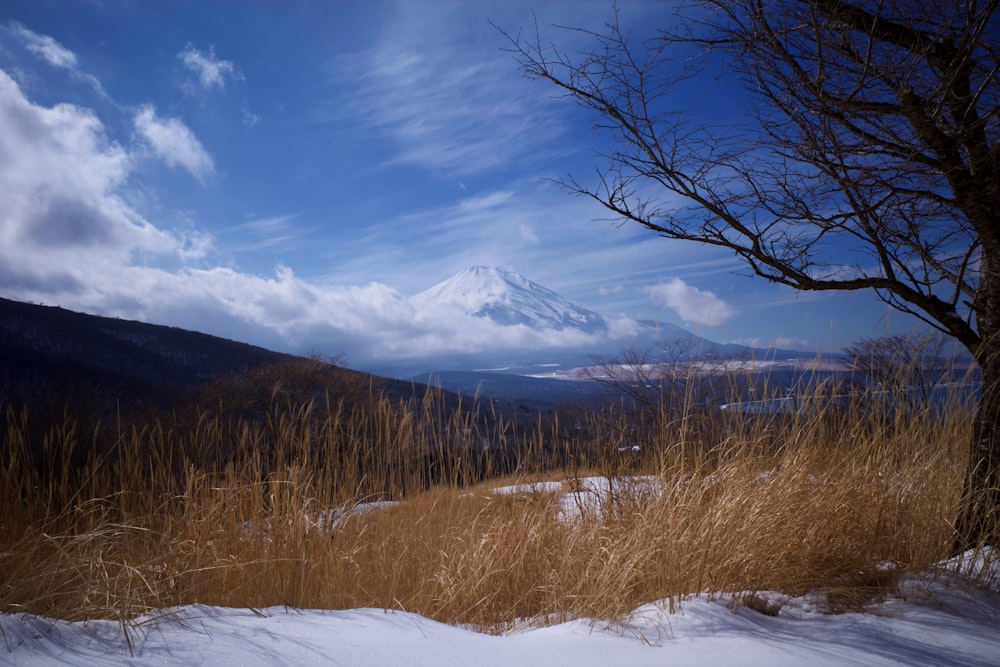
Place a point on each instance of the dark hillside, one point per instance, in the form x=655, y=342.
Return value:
x=49, y=354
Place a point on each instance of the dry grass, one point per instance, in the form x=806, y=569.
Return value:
x=233, y=513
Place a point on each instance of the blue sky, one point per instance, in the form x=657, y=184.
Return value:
x=288, y=173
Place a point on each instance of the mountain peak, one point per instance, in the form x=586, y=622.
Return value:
x=495, y=275
x=507, y=297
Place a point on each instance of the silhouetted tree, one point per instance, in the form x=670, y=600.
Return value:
x=868, y=161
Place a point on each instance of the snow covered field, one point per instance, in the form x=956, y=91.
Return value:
x=936, y=618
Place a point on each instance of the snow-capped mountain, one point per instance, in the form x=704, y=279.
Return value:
x=508, y=298
x=560, y=334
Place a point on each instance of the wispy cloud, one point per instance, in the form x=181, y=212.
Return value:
x=56, y=55
x=46, y=47
x=270, y=224
x=498, y=228
x=211, y=71
x=250, y=119
x=473, y=117
x=278, y=231
x=690, y=303
x=174, y=142
x=776, y=296
x=462, y=115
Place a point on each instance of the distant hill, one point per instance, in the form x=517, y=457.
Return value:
x=47, y=352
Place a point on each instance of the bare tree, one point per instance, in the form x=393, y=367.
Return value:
x=672, y=393
x=668, y=381
x=906, y=368
x=653, y=381
x=869, y=160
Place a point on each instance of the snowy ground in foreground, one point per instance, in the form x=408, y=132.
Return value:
x=937, y=619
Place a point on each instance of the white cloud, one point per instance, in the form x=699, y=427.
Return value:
x=64, y=219
x=211, y=71
x=755, y=341
x=690, y=303
x=69, y=235
x=174, y=142
x=623, y=327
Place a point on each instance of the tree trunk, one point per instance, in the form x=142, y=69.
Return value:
x=979, y=518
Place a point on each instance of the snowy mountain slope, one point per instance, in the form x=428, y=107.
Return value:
x=507, y=297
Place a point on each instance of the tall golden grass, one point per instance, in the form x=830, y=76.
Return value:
x=242, y=512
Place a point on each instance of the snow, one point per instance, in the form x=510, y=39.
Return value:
x=937, y=620
x=530, y=487
x=508, y=298
x=588, y=495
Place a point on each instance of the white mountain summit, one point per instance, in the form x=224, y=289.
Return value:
x=506, y=297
